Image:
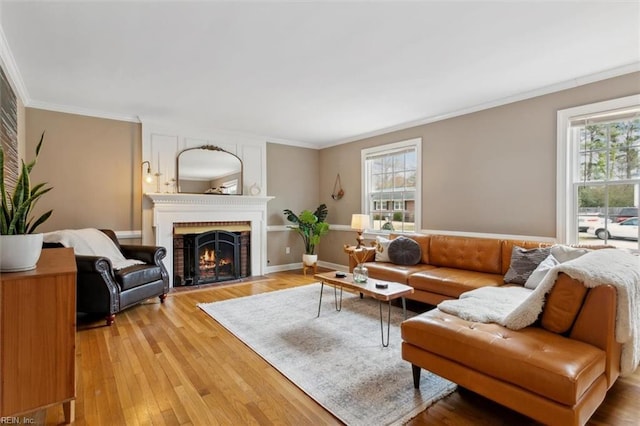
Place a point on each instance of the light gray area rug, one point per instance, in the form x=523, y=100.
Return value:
x=338, y=358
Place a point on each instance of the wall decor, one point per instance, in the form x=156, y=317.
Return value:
x=9, y=131
x=338, y=192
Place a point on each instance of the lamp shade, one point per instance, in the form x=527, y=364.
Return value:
x=360, y=221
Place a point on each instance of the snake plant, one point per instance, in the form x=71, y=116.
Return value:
x=16, y=208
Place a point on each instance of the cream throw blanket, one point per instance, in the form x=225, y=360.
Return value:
x=91, y=242
x=518, y=307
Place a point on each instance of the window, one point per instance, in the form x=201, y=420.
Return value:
x=391, y=186
x=599, y=173
x=231, y=187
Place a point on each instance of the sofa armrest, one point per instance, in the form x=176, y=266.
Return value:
x=147, y=254
x=96, y=277
x=93, y=264
x=596, y=325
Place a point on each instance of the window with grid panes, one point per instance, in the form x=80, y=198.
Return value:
x=603, y=174
x=391, y=186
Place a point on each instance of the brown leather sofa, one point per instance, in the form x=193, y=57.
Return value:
x=556, y=371
x=450, y=265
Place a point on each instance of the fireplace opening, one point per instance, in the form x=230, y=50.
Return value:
x=211, y=256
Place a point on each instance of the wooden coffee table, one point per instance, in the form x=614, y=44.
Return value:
x=392, y=292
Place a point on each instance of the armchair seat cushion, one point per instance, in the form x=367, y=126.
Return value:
x=137, y=275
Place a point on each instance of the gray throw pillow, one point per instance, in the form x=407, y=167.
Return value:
x=523, y=263
x=404, y=251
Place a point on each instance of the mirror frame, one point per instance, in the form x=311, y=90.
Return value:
x=208, y=148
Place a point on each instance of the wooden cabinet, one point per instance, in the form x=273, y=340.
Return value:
x=37, y=335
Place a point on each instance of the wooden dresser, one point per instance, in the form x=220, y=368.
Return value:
x=37, y=335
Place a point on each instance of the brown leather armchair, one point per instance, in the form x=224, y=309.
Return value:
x=103, y=290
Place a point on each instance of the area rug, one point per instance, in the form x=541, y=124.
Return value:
x=338, y=358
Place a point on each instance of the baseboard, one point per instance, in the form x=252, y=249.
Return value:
x=294, y=266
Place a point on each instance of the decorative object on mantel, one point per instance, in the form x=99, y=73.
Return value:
x=310, y=227
x=218, y=191
x=254, y=189
x=360, y=222
x=20, y=247
x=338, y=192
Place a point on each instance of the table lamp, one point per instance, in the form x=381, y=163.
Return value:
x=360, y=222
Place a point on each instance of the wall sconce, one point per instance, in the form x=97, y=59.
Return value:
x=148, y=177
x=360, y=222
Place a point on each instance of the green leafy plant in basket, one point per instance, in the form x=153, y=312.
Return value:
x=16, y=209
x=310, y=226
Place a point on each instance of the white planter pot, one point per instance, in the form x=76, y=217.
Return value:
x=309, y=259
x=19, y=252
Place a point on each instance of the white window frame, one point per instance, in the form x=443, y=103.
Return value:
x=566, y=201
x=416, y=144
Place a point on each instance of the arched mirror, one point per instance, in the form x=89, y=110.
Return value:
x=209, y=169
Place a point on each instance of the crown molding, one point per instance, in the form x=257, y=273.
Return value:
x=11, y=69
x=82, y=111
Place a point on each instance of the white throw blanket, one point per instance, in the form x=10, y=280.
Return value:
x=91, y=242
x=518, y=307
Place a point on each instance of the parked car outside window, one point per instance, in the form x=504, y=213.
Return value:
x=586, y=221
x=628, y=229
x=626, y=213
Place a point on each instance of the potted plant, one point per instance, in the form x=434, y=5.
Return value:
x=20, y=247
x=310, y=226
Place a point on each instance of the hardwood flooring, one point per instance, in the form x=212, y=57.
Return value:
x=171, y=364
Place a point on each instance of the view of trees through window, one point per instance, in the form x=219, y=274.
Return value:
x=608, y=185
x=390, y=180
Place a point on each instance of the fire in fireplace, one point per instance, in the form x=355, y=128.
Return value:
x=213, y=256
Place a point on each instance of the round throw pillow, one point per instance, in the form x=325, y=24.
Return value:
x=404, y=251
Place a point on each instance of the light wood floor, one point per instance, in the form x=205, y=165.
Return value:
x=171, y=364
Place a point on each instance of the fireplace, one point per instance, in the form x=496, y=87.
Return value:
x=210, y=252
x=171, y=210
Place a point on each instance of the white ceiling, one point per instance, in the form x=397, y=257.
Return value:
x=312, y=73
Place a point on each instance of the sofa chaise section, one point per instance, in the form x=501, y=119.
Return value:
x=556, y=371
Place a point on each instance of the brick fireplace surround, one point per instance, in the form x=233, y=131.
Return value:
x=170, y=209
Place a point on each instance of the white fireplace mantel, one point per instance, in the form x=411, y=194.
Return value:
x=178, y=208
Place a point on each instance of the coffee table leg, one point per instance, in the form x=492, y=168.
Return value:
x=335, y=297
x=388, y=323
x=321, y=291
x=404, y=307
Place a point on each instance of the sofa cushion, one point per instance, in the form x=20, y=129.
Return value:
x=136, y=275
x=472, y=254
x=523, y=263
x=452, y=282
x=565, y=253
x=532, y=358
x=507, y=249
x=397, y=273
x=404, y=251
x=563, y=304
x=382, y=249
x=540, y=272
x=422, y=239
